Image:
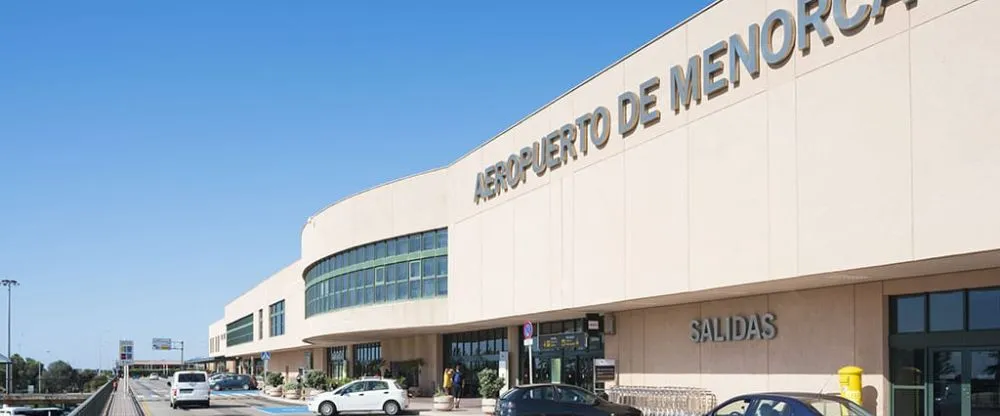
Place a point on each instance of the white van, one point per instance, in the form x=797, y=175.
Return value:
x=189, y=387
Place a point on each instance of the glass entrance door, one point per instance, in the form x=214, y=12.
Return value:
x=965, y=382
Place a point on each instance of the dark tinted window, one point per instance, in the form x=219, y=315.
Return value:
x=947, y=311
x=909, y=314
x=540, y=393
x=191, y=378
x=984, y=309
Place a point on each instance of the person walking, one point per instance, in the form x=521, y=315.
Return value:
x=446, y=380
x=456, y=384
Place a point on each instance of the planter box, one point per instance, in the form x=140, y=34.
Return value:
x=293, y=395
x=489, y=406
x=444, y=403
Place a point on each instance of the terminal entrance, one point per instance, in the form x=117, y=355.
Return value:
x=964, y=382
x=563, y=352
x=944, y=353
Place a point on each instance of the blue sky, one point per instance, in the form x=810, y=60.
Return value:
x=158, y=158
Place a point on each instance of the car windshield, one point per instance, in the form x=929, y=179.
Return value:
x=831, y=407
x=190, y=378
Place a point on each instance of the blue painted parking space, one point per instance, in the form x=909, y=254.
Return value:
x=284, y=410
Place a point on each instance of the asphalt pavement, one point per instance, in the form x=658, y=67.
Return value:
x=153, y=396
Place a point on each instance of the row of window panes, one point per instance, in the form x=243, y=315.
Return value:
x=416, y=279
x=240, y=331
x=462, y=347
x=411, y=243
x=960, y=310
x=277, y=314
x=367, y=353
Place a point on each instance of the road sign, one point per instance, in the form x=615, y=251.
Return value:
x=265, y=356
x=529, y=330
x=125, y=351
x=162, y=344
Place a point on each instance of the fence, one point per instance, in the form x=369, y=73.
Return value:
x=96, y=403
x=664, y=401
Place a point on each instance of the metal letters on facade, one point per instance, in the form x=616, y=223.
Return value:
x=734, y=328
x=713, y=72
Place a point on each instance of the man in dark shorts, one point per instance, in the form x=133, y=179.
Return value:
x=456, y=385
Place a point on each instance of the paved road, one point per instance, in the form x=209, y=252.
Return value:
x=154, y=398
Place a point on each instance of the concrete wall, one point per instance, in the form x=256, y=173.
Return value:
x=819, y=331
x=287, y=285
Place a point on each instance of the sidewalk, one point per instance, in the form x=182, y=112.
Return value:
x=421, y=405
x=120, y=404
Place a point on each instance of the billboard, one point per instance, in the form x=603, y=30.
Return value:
x=162, y=344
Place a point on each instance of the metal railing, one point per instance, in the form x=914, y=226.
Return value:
x=96, y=403
x=664, y=401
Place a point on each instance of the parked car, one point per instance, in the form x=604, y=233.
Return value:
x=189, y=387
x=362, y=396
x=788, y=404
x=558, y=399
x=233, y=382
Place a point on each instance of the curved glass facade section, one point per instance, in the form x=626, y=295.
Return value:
x=412, y=266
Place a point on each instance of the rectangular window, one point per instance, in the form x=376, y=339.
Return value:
x=379, y=293
x=429, y=266
x=370, y=252
x=414, y=270
x=430, y=286
x=369, y=295
x=910, y=314
x=414, y=243
x=442, y=285
x=984, y=309
x=402, y=273
x=442, y=237
x=239, y=331
x=340, y=261
x=401, y=290
x=391, y=247
x=260, y=323
x=442, y=268
x=429, y=240
x=380, y=249
x=390, y=273
x=415, y=289
x=947, y=311
x=379, y=275
x=277, y=317
x=402, y=245
x=369, y=277
x=390, y=292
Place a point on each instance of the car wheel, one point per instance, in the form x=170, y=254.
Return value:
x=391, y=408
x=327, y=409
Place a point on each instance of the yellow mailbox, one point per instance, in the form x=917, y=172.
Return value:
x=850, y=383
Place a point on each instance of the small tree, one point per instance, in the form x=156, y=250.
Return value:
x=490, y=383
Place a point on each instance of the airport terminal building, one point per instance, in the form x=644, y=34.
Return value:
x=770, y=191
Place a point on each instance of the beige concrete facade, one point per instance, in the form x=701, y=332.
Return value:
x=813, y=190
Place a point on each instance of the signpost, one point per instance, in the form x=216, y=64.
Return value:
x=529, y=332
x=265, y=356
x=167, y=344
x=125, y=349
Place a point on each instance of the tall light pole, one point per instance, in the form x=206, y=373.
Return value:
x=10, y=283
x=40, y=367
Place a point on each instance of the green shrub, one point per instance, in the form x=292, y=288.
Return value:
x=315, y=379
x=291, y=385
x=490, y=383
x=275, y=379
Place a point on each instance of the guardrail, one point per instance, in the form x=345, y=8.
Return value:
x=134, y=402
x=96, y=403
x=664, y=401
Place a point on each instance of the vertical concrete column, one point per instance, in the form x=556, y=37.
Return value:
x=514, y=356
x=349, y=356
x=434, y=362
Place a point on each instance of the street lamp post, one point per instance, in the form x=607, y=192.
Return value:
x=47, y=352
x=10, y=283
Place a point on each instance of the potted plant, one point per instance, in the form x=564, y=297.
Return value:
x=315, y=382
x=490, y=384
x=274, y=382
x=443, y=401
x=292, y=390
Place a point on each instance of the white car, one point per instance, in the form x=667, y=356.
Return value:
x=189, y=387
x=362, y=396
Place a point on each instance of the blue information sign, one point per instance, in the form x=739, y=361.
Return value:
x=529, y=330
x=265, y=356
